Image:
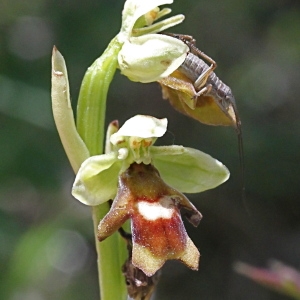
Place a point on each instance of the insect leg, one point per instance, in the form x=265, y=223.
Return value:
x=203, y=91
x=200, y=53
x=201, y=80
x=187, y=39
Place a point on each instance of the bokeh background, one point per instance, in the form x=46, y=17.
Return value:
x=46, y=238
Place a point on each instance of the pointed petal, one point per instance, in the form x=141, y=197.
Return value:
x=190, y=211
x=96, y=180
x=112, y=128
x=190, y=171
x=114, y=219
x=159, y=26
x=133, y=9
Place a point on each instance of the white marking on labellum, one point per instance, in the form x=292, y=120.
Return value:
x=164, y=208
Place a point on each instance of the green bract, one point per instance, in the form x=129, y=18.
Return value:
x=185, y=169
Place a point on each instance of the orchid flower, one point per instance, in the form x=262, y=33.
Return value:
x=146, y=56
x=186, y=169
x=146, y=183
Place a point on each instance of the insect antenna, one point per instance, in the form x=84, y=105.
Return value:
x=241, y=156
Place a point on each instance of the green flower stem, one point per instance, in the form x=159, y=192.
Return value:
x=90, y=124
x=111, y=257
x=91, y=106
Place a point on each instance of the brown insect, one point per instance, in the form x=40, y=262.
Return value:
x=195, y=90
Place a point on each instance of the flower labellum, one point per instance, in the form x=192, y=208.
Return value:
x=157, y=229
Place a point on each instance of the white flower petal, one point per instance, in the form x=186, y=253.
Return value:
x=151, y=57
x=191, y=171
x=141, y=126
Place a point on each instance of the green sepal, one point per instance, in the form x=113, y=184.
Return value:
x=188, y=170
x=96, y=181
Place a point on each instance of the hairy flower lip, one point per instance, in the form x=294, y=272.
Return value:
x=157, y=229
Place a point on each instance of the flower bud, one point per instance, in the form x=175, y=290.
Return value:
x=151, y=57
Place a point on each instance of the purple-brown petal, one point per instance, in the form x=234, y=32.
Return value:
x=157, y=229
x=117, y=215
x=158, y=233
x=112, y=221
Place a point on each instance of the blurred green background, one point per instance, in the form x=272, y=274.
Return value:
x=46, y=238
